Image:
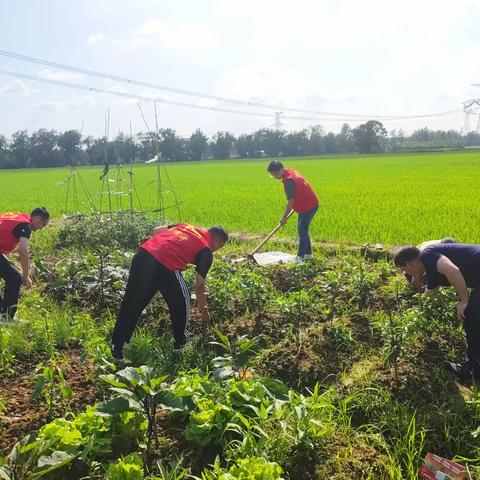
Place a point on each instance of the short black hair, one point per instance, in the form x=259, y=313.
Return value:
x=274, y=166
x=219, y=231
x=448, y=240
x=405, y=254
x=41, y=212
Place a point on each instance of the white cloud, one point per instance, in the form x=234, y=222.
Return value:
x=184, y=37
x=48, y=107
x=95, y=38
x=17, y=87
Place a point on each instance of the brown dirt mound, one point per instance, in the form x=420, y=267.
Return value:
x=316, y=359
x=23, y=415
x=350, y=457
x=251, y=325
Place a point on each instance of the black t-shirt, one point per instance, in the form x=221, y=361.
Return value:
x=22, y=230
x=465, y=257
x=203, y=261
x=289, y=186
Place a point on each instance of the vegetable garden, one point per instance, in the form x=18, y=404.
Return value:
x=328, y=369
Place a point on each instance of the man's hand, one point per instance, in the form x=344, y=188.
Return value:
x=27, y=281
x=283, y=221
x=418, y=283
x=205, y=314
x=461, y=310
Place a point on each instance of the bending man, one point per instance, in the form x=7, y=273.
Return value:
x=300, y=198
x=156, y=267
x=457, y=265
x=15, y=229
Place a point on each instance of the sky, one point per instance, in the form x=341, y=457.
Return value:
x=366, y=58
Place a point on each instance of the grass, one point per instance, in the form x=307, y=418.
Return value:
x=392, y=199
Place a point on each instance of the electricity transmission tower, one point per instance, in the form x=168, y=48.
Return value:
x=471, y=107
x=277, y=123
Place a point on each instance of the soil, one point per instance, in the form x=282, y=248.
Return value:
x=24, y=416
x=316, y=359
x=172, y=445
x=350, y=457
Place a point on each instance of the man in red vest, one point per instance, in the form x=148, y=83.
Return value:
x=302, y=199
x=15, y=229
x=157, y=266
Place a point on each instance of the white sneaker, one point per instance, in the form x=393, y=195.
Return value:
x=298, y=259
x=308, y=256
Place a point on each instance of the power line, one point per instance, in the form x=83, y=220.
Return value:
x=132, y=96
x=87, y=88
x=344, y=116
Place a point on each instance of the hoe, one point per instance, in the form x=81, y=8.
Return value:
x=268, y=258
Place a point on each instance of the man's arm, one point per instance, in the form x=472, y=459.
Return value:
x=288, y=210
x=203, y=261
x=25, y=261
x=201, y=298
x=290, y=192
x=454, y=276
x=160, y=229
x=428, y=292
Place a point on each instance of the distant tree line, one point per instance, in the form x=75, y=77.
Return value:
x=49, y=148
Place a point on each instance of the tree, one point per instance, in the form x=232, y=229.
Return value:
x=222, y=144
x=317, y=141
x=170, y=146
x=268, y=141
x=4, y=153
x=198, y=145
x=123, y=145
x=95, y=148
x=20, y=149
x=422, y=135
x=345, y=139
x=296, y=143
x=472, y=139
x=69, y=141
x=245, y=146
x=370, y=137
x=148, y=145
x=331, y=145
x=44, y=149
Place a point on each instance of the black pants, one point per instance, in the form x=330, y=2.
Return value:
x=471, y=324
x=146, y=277
x=13, y=282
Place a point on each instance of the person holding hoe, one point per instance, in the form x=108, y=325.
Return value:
x=157, y=266
x=15, y=229
x=300, y=198
x=457, y=265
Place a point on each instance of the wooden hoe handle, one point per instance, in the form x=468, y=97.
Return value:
x=268, y=237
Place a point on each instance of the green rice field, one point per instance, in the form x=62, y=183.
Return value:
x=389, y=199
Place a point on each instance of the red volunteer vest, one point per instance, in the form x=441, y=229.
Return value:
x=305, y=198
x=8, y=221
x=178, y=246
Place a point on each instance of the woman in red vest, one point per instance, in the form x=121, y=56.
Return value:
x=157, y=266
x=15, y=229
x=302, y=199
